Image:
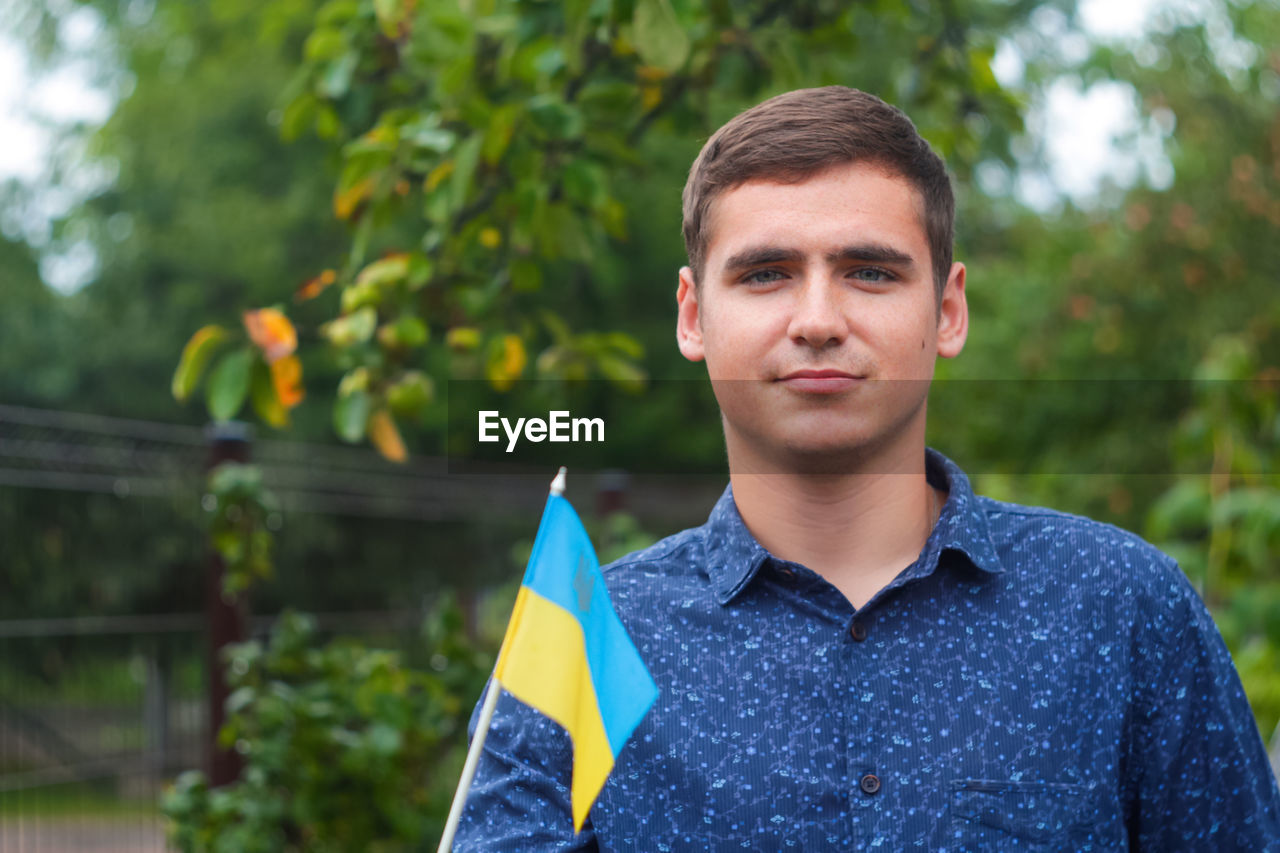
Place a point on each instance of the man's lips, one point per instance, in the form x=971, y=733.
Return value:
x=820, y=381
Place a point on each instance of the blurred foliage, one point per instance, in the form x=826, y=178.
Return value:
x=205, y=206
x=1224, y=527
x=345, y=747
x=242, y=513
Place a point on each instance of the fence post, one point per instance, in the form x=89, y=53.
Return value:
x=611, y=491
x=228, y=442
x=155, y=711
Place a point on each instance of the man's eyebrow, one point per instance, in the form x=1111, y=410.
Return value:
x=760, y=255
x=876, y=253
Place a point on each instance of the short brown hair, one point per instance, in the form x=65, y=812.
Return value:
x=794, y=136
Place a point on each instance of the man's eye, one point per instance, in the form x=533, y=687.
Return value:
x=872, y=274
x=763, y=277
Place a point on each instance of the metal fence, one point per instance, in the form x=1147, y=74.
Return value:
x=84, y=753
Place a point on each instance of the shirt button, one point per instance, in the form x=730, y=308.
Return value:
x=858, y=631
x=869, y=783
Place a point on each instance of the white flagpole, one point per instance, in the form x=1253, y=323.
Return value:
x=482, y=731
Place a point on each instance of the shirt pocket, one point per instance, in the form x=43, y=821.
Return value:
x=1000, y=815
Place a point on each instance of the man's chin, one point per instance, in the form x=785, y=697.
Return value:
x=828, y=459
x=815, y=458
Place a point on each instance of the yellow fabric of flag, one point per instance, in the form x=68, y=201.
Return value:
x=567, y=654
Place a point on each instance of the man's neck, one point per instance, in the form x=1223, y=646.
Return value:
x=857, y=529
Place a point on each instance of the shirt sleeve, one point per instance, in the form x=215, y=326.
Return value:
x=520, y=798
x=1199, y=774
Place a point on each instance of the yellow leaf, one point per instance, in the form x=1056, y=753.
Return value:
x=346, y=202
x=286, y=378
x=385, y=436
x=392, y=266
x=381, y=133
x=315, y=286
x=490, y=238
x=462, y=338
x=437, y=175
x=507, y=358
x=394, y=17
x=265, y=400
x=195, y=355
x=271, y=332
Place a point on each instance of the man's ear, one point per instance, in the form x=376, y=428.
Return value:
x=953, y=315
x=688, y=318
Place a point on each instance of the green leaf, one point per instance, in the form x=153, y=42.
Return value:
x=1183, y=507
x=426, y=133
x=558, y=328
x=240, y=699
x=328, y=124
x=526, y=275
x=464, y=170
x=607, y=98
x=502, y=124
x=419, y=272
x=407, y=332
x=336, y=79
x=385, y=270
x=325, y=44
x=625, y=344
x=337, y=12
x=262, y=394
x=562, y=234
x=351, y=414
x=383, y=739
x=390, y=15
x=229, y=384
x=622, y=373
x=659, y=38
x=236, y=480
x=195, y=355
x=462, y=338
x=355, y=328
x=410, y=394
x=297, y=116
x=555, y=118
x=359, y=295
x=584, y=182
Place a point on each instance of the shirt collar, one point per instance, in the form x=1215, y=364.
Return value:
x=962, y=525
x=734, y=556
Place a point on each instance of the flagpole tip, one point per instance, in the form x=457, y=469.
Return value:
x=557, y=485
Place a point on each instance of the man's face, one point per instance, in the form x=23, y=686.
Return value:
x=817, y=318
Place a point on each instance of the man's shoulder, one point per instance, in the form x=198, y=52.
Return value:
x=646, y=585
x=1083, y=548
x=674, y=554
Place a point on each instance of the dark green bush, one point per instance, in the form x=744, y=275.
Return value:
x=346, y=748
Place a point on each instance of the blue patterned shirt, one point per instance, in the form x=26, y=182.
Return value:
x=1034, y=681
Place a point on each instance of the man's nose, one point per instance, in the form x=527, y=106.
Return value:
x=817, y=319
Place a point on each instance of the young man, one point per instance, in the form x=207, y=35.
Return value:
x=855, y=652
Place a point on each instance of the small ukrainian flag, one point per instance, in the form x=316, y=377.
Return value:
x=567, y=655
